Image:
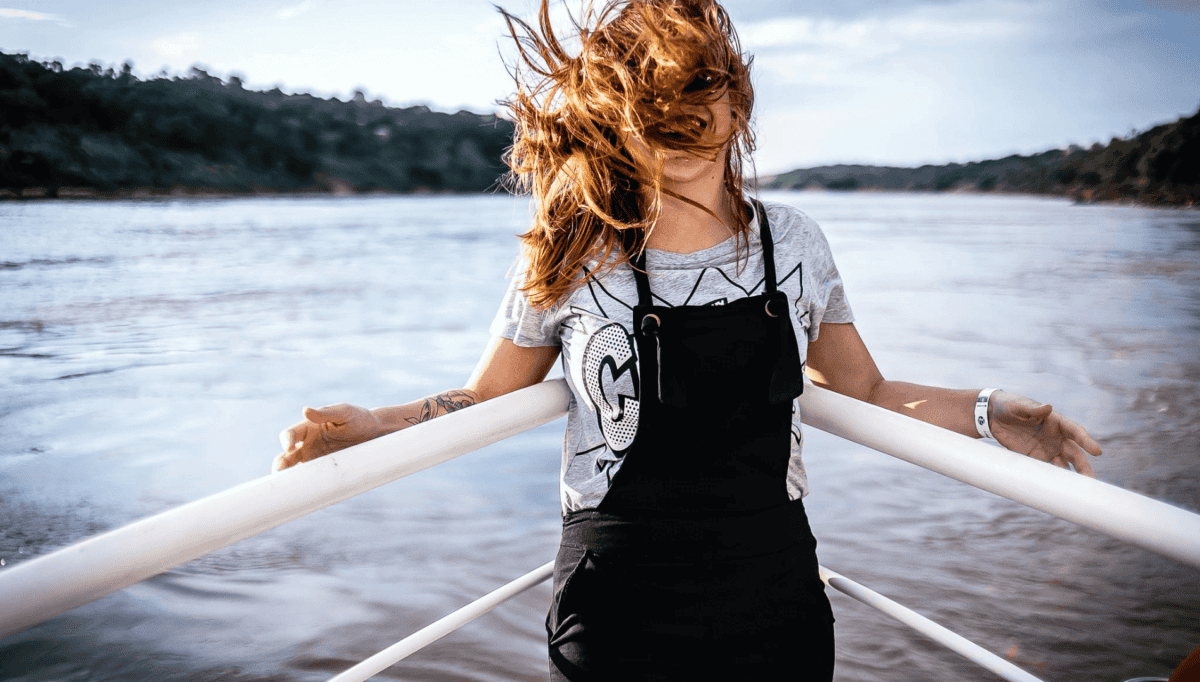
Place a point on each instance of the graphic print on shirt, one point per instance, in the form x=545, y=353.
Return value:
x=607, y=357
x=605, y=374
x=797, y=435
x=608, y=373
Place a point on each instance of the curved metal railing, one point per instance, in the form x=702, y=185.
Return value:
x=46, y=586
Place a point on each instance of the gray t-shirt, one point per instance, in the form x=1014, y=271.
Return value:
x=593, y=327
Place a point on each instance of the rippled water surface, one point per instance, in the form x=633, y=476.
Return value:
x=150, y=352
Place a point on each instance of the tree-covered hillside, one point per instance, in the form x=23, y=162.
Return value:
x=1158, y=166
x=81, y=131
x=70, y=131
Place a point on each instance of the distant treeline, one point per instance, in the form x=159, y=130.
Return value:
x=78, y=131
x=1158, y=166
x=95, y=130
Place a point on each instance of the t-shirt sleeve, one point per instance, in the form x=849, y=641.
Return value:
x=828, y=302
x=520, y=322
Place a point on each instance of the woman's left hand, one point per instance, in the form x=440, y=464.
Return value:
x=1031, y=428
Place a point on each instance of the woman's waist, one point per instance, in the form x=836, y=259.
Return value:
x=667, y=536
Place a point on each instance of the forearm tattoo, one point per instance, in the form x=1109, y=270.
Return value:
x=442, y=403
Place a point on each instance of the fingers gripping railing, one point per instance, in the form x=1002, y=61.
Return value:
x=40, y=588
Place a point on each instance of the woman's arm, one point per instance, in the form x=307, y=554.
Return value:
x=839, y=360
x=503, y=368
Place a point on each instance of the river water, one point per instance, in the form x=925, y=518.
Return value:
x=151, y=351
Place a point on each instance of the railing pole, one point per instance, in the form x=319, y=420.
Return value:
x=951, y=640
x=43, y=587
x=1123, y=514
x=46, y=586
x=442, y=627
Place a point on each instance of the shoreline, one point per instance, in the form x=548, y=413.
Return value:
x=150, y=193
x=90, y=194
x=1074, y=198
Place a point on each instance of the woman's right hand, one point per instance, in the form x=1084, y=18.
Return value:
x=504, y=367
x=325, y=430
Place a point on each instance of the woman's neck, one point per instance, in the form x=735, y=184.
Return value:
x=684, y=228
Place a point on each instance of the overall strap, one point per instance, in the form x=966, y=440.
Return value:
x=637, y=260
x=768, y=246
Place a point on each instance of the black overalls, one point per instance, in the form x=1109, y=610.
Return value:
x=696, y=565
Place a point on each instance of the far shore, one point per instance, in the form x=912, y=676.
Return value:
x=144, y=193
x=87, y=193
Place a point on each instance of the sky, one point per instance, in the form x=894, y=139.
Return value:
x=894, y=82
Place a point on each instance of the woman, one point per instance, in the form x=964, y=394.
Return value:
x=678, y=306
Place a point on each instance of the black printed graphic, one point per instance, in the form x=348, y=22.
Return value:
x=797, y=436
x=611, y=381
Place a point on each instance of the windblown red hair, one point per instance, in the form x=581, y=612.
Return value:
x=645, y=73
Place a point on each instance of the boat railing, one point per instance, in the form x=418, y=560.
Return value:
x=43, y=587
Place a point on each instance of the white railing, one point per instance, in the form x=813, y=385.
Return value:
x=44, y=587
x=1123, y=514
x=434, y=631
x=443, y=626
x=41, y=588
x=951, y=640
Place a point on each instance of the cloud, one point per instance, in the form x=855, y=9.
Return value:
x=858, y=51
x=822, y=50
x=961, y=80
x=26, y=14
x=294, y=11
x=178, y=46
x=965, y=22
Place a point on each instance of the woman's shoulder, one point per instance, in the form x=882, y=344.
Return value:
x=798, y=238
x=790, y=223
